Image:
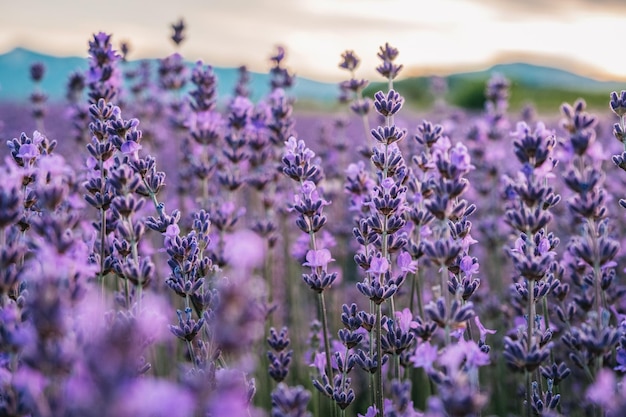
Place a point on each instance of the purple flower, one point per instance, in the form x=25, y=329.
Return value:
x=241, y=107
x=466, y=353
x=318, y=259
x=155, y=398
x=371, y=412
x=53, y=168
x=424, y=357
x=406, y=263
x=405, y=320
x=379, y=265
x=474, y=356
x=482, y=330
x=300, y=247
x=297, y=147
x=460, y=157
x=28, y=151
x=544, y=246
x=171, y=232
x=308, y=187
x=467, y=241
x=387, y=183
x=468, y=266
x=153, y=318
x=232, y=395
x=38, y=137
x=30, y=380
x=91, y=163
x=248, y=242
x=620, y=357
x=441, y=147
x=130, y=148
x=178, y=36
x=207, y=120
x=319, y=362
x=349, y=60
x=602, y=391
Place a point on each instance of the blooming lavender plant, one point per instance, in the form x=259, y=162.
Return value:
x=78, y=111
x=589, y=262
x=352, y=89
x=528, y=213
x=281, y=77
x=380, y=233
x=38, y=98
x=177, y=329
x=309, y=204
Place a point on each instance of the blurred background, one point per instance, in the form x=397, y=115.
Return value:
x=545, y=47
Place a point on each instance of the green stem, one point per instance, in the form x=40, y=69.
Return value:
x=530, y=339
x=622, y=123
x=322, y=307
x=379, y=371
x=443, y=283
x=529, y=412
x=103, y=227
x=127, y=293
x=267, y=272
x=192, y=354
x=329, y=368
x=366, y=123
x=135, y=259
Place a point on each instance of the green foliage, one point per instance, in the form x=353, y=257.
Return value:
x=469, y=93
x=416, y=91
x=549, y=100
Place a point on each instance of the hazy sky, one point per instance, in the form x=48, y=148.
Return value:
x=431, y=35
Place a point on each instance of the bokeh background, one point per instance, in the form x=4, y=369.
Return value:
x=442, y=38
x=443, y=35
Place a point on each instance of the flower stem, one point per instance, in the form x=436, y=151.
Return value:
x=379, y=371
x=530, y=338
x=329, y=368
x=322, y=307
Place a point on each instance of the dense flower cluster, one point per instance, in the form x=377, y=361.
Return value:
x=454, y=265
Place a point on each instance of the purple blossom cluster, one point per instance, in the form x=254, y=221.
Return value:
x=172, y=254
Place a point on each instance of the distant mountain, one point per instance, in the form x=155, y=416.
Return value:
x=546, y=88
x=16, y=85
x=537, y=76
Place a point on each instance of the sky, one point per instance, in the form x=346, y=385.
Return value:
x=432, y=36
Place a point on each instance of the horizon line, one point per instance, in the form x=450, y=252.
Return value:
x=414, y=71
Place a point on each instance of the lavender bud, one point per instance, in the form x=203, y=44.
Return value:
x=37, y=71
x=349, y=61
x=290, y=402
x=388, y=105
x=618, y=103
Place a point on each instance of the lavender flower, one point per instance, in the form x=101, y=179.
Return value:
x=281, y=78
x=38, y=98
x=290, y=402
x=178, y=36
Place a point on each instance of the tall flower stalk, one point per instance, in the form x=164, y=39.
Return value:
x=38, y=98
x=592, y=331
x=298, y=165
x=533, y=253
x=352, y=89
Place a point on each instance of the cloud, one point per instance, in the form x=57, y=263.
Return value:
x=316, y=32
x=555, y=9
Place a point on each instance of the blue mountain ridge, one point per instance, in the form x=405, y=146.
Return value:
x=538, y=76
x=16, y=85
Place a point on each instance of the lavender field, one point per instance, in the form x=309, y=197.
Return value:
x=165, y=252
